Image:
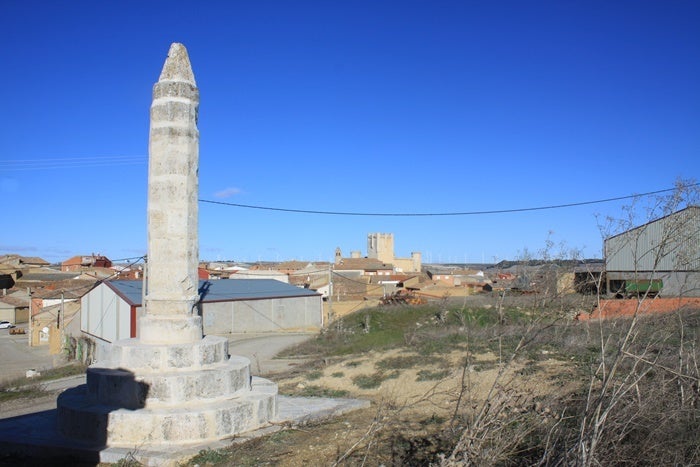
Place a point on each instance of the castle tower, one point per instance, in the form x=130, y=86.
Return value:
x=381, y=246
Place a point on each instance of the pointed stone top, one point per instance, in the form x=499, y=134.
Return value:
x=177, y=66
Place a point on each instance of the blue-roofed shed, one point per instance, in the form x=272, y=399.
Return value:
x=221, y=290
x=111, y=310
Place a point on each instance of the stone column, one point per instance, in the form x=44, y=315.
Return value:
x=170, y=387
x=173, y=189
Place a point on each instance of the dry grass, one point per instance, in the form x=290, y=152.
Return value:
x=469, y=388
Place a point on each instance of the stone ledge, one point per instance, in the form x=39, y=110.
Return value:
x=142, y=358
x=125, y=389
x=34, y=436
x=195, y=421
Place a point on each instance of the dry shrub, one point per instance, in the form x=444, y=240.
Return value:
x=641, y=405
x=500, y=431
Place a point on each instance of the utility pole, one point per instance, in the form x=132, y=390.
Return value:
x=330, y=294
x=29, y=325
x=144, y=287
x=62, y=313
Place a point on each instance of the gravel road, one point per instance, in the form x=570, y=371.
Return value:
x=18, y=357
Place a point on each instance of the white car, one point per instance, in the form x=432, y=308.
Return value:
x=6, y=325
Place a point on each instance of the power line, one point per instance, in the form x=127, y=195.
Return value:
x=71, y=162
x=435, y=214
x=127, y=259
x=83, y=158
x=137, y=259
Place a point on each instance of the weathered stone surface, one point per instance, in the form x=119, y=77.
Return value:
x=168, y=329
x=177, y=67
x=170, y=386
x=183, y=424
x=123, y=388
x=173, y=185
x=143, y=358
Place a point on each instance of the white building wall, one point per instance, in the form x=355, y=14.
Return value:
x=269, y=315
x=7, y=313
x=47, y=302
x=105, y=315
x=247, y=274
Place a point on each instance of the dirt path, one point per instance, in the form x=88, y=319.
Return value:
x=261, y=350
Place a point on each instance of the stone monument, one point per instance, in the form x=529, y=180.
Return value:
x=170, y=385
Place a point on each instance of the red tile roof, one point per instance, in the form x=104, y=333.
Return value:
x=366, y=264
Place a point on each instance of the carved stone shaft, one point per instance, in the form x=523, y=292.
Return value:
x=173, y=187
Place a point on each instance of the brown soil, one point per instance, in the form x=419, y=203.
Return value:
x=618, y=308
x=405, y=414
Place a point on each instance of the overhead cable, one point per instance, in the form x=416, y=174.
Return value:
x=429, y=214
x=71, y=162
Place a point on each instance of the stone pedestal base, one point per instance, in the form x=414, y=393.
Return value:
x=165, y=394
x=167, y=329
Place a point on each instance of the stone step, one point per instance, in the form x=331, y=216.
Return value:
x=124, y=388
x=96, y=423
x=141, y=358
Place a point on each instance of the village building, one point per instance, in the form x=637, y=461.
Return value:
x=314, y=276
x=80, y=263
x=381, y=246
x=14, y=307
x=13, y=261
x=13, y=267
x=260, y=274
x=453, y=277
x=47, y=304
x=377, y=275
x=661, y=256
x=111, y=311
x=362, y=266
x=383, y=286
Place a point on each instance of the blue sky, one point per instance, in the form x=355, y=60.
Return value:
x=366, y=106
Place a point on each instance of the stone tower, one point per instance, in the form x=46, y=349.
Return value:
x=416, y=259
x=170, y=386
x=338, y=255
x=381, y=246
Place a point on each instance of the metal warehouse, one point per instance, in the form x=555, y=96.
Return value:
x=667, y=250
x=111, y=310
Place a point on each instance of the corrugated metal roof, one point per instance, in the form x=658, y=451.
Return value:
x=221, y=290
x=671, y=243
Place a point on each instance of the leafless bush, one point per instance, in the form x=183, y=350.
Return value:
x=639, y=407
x=637, y=381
